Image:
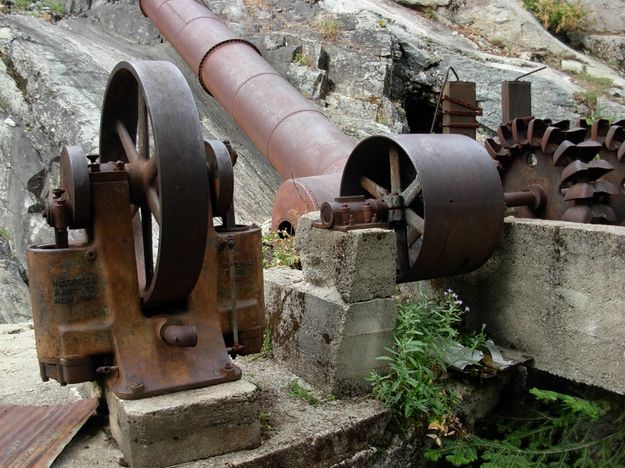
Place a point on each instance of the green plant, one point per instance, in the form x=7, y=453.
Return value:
x=429, y=13
x=297, y=391
x=558, y=16
x=55, y=7
x=381, y=22
x=474, y=341
x=302, y=59
x=266, y=349
x=279, y=250
x=552, y=429
x=415, y=384
x=330, y=28
x=5, y=233
x=594, y=86
x=265, y=423
x=21, y=5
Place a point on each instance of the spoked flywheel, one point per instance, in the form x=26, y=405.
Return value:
x=444, y=199
x=150, y=123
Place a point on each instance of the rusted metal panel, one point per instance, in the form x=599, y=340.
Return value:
x=36, y=435
x=460, y=108
x=516, y=100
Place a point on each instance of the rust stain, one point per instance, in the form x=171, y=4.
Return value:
x=35, y=435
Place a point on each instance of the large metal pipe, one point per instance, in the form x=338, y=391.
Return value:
x=291, y=132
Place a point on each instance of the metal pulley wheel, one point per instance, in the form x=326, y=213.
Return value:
x=221, y=172
x=75, y=182
x=150, y=122
x=444, y=196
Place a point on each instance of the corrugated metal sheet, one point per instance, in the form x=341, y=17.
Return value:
x=35, y=435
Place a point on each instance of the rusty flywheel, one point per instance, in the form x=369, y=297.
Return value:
x=444, y=199
x=150, y=123
x=576, y=167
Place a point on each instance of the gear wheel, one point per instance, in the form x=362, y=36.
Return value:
x=569, y=163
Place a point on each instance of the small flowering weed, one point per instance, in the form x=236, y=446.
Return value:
x=416, y=382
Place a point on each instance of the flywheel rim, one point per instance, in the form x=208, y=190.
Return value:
x=150, y=101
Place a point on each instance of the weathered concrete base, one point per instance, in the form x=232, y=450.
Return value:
x=555, y=290
x=185, y=426
x=329, y=343
x=331, y=321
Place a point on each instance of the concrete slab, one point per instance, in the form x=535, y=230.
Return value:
x=184, y=426
x=555, y=290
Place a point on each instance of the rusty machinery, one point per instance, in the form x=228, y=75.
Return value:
x=149, y=313
x=440, y=193
x=578, y=167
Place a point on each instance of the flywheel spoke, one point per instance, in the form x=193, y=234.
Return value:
x=154, y=204
x=395, y=175
x=127, y=143
x=150, y=170
x=374, y=189
x=412, y=191
x=416, y=225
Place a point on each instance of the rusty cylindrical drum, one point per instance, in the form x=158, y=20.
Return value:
x=444, y=189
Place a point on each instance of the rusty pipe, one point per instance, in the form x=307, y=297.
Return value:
x=291, y=132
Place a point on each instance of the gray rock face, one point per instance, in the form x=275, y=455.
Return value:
x=14, y=297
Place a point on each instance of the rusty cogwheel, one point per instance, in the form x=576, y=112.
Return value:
x=573, y=165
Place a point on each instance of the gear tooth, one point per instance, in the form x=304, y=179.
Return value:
x=535, y=131
x=494, y=149
x=551, y=139
x=574, y=170
x=600, y=164
x=598, y=168
x=620, y=154
x=575, y=135
x=581, y=123
x=578, y=214
x=599, y=130
x=588, y=150
x=580, y=191
x=603, y=212
x=562, y=124
x=519, y=131
x=504, y=133
x=605, y=187
x=614, y=137
x=564, y=153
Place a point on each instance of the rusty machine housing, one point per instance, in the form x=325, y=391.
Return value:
x=158, y=296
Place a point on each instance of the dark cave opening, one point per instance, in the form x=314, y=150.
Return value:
x=420, y=108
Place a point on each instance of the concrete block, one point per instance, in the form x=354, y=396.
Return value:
x=360, y=264
x=555, y=291
x=184, y=426
x=331, y=344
